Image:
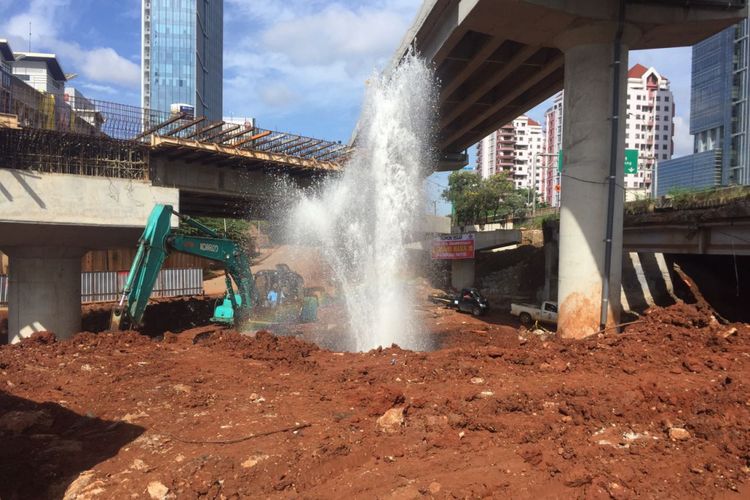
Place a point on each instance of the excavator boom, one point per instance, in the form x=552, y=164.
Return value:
x=154, y=246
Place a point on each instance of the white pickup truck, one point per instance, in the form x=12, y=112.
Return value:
x=528, y=313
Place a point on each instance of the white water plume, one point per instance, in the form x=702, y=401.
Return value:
x=363, y=219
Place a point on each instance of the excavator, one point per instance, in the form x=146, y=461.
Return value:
x=155, y=244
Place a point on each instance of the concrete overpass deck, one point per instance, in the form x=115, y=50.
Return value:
x=496, y=59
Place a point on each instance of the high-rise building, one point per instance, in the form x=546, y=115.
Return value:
x=182, y=55
x=649, y=126
x=527, y=150
x=553, y=130
x=495, y=152
x=719, y=116
x=512, y=149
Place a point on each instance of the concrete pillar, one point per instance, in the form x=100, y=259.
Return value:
x=584, y=188
x=462, y=273
x=44, y=291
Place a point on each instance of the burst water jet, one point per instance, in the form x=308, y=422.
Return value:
x=363, y=219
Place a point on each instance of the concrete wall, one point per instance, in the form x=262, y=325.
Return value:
x=43, y=198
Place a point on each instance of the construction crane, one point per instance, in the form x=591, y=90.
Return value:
x=156, y=242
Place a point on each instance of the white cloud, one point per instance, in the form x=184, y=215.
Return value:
x=106, y=65
x=104, y=89
x=307, y=54
x=100, y=64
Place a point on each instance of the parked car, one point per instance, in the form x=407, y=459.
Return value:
x=468, y=300
x=529, y=313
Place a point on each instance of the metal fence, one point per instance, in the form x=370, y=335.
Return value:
x=106, y=286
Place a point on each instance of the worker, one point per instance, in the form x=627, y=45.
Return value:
x=272, y=297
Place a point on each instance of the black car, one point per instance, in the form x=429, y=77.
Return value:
x=471, y=301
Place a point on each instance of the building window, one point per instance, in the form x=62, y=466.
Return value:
x=664, y=157
x=666, y=98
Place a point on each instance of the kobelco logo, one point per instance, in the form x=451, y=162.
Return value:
x=209, y=247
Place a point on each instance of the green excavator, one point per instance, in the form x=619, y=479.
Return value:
x=156, y=242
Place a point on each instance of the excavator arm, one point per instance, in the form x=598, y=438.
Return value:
x=155, y=244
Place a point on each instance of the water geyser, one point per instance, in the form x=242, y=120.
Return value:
x=363, y=219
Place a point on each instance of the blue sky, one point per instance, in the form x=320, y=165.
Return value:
x=294, y=65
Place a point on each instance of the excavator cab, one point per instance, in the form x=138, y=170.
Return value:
x=224, y=310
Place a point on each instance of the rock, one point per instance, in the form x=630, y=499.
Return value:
x=435, y=487
x=730, y=332
x=157, y=490
x=132, y=417
x=86, y=368
x=477, y=380
x=77, y=487
x=139, y=464
x=577, y=477
x=392, y=420
x=18, y=421
x=678, y=434
x=253, y=461
x=182, y=388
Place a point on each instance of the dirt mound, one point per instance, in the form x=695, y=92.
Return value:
x=659, y=411
x=263, y=346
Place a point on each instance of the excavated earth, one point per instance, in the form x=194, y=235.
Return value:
x=659, y=411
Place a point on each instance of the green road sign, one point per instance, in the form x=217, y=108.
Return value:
x=559, y=160
x=631, y=161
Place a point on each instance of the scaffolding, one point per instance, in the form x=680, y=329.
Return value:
x=71, y=153
x=72, y=134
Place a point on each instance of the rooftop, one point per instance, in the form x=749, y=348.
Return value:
x=5, y=50
x=53, y=65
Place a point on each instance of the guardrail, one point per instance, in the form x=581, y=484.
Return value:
x=106, y=286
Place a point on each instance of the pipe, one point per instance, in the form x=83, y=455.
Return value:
x=616, y=73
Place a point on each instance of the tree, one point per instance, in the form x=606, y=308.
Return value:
x=479, y=201
x=236, y=229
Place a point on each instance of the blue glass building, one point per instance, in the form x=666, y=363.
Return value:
x=182, y=55
x=711, y=97
x=719, y=116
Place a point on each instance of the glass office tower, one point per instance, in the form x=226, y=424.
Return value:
x=719, y=116
x=182, y=55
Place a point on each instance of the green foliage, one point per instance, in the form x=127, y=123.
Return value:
x=479, y=201
x=236, y=229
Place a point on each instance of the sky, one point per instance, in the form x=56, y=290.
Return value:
x=300, y=66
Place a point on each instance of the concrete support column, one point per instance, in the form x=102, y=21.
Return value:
x=44, y=291
x=586, y=149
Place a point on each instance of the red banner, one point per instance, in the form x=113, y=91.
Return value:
x=453, y=247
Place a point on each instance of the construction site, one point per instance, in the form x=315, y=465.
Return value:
x=196, y=308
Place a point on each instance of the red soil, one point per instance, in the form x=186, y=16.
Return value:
x=662, y=410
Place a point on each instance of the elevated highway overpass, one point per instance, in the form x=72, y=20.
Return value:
x=498, y=58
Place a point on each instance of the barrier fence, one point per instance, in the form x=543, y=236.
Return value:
x=106, y=286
